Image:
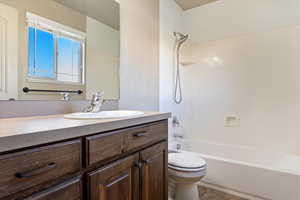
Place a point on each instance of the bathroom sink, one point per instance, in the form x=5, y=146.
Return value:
x=104, y=114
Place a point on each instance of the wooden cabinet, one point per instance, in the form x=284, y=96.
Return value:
x=125, y=164
x=154, y=172
x=142, y=176
x=117, y=181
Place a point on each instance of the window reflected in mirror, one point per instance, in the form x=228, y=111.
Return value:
x=59, y=45
x=55, y=52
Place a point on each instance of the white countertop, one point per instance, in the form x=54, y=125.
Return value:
x=16, y=133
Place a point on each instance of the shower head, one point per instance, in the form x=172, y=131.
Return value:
x=181, y=38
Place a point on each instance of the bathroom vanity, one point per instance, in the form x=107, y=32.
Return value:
x=53, y=158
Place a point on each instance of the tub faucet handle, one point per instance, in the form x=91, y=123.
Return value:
x=175, y=122
x=178, y=147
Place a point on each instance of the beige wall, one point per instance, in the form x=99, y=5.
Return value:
x=53, y=11
x=139, y=54
x=102, y=59
x=8, y=49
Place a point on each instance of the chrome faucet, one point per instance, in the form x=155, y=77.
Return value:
x=96, y=103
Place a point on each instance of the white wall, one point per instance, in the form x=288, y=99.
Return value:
x=171, y=19
x=229, y=18
x=246, y=56
x=139, y=70
x=102, y=59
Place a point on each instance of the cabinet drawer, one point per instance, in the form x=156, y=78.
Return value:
x=70, y=190
x=104, y=146
x=25, y=169
x=147, y=134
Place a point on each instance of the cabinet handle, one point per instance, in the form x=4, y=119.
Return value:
x=37, y=171
x=137, y=164
x=150, y=160
x=146, y=161
x=140, y=134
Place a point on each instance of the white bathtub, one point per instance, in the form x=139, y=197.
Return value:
x=250, y=172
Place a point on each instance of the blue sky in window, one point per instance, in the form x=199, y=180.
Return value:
x=44, y=50
x=68, y=59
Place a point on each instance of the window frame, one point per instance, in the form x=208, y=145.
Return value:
x=58, y=30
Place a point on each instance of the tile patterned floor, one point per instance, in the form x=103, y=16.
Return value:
x=211, y=194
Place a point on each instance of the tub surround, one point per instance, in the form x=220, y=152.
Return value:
x=245, y=68
x=18, y=133
x=50, y=157
x=230, y=171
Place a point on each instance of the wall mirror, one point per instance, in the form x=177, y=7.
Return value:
x=52, y=47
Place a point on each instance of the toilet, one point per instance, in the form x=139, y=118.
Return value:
x=185, y=169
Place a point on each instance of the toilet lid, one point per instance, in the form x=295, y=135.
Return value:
x=186, y=160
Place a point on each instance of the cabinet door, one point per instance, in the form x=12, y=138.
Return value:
x=117, y=181
x=154, y=172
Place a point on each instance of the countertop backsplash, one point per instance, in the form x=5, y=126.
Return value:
x=11, y=109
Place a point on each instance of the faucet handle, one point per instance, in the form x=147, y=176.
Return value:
x=96, y=102
x=98, y=97
x=98, y=94
x=66, y=96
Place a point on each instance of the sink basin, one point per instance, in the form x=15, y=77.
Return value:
x=104, y=114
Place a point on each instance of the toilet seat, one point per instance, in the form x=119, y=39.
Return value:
x=186, y=169
x=186, y=162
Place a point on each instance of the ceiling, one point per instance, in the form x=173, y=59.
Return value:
x=188, y=4
x=105, y=11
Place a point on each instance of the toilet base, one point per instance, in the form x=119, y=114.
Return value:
x=184, y=177
x=187, y=191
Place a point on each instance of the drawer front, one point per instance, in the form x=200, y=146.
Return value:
x=147, y=134
x=70, y=190
x=104, y=146
x=109, y=145
x=25, y=169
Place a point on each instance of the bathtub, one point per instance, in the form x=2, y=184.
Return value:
x=249, y=172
